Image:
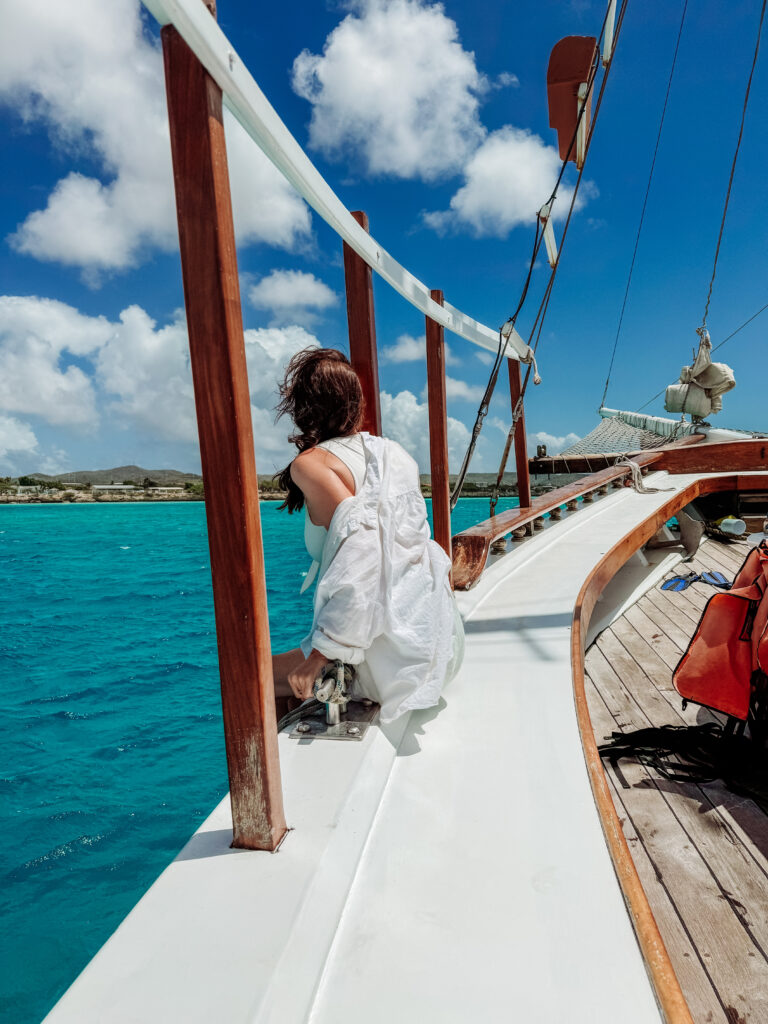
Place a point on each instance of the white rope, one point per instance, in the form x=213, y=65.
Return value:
x=258, y=117
x=637, y=477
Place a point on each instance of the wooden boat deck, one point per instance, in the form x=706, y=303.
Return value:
x=701, y=851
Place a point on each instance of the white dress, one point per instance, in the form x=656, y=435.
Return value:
x=383, y=600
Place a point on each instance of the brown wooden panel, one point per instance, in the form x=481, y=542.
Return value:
x=725, y=456
x=596, y=460
x=217, y=352
x=438, y=431
x=521, y=443
x=570, y=64
x=362, y=329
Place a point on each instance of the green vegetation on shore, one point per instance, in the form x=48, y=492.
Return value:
x=132, y=483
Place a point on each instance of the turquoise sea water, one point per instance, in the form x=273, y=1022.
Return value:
x=112, y=749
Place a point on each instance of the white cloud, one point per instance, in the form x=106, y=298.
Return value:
x=507, y=181
x=93, y=78
x=267, y=351
x=16, y=438
x=408, y=349
x=146, y=375
x=554, y=444
x=133, y=372
x=461, y=390
x=405, y=420
x=395, y=86
x=148, y=369
x=38, y=338
x=292, y=295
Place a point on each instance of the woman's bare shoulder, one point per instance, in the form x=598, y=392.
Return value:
x=309, y=466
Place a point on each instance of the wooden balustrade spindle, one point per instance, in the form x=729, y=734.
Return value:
x=217, y=353
x=361, y=321
x=438, y=431
x=521, y=443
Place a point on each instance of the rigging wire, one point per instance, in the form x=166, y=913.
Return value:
x=538, y=239
x=714, y=349
x=544, y=306
x=485, y=402
x=645, y=205
x=725, y=207
x=733, y=165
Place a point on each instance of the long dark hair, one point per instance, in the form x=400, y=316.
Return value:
x=322, y=395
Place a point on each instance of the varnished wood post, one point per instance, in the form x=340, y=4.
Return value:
x=438, y=431
x=521, y=443
x=217, y=353
x=362, y=329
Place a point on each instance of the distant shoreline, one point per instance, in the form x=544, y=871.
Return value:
x=85, y=498
x=149, y=498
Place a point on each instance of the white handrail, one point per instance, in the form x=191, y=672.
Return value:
x=258, y=117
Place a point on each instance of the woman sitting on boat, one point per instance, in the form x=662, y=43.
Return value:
x=383, y=601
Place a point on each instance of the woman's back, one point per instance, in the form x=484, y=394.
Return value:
x=349, y=450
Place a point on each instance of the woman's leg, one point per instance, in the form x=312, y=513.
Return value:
x=282, y=664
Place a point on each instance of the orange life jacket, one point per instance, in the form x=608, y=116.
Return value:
x=729, y=650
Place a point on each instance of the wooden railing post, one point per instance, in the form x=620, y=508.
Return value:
x=217, y=353
x=521, y=443
x=362, y=329
x=438, y=431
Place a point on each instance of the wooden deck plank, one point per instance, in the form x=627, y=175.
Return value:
x=714, y=554
x=639, y=682
x=691, y=969
x=726, y=930
x=611, y=666
x=657, y=670
x=676, y=606
x=701, y=850
x=746, y=819
x=650, y=632
x=667, y=623
x=741, y=813
x=732, y=554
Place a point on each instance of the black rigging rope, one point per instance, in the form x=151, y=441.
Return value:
x=498, y=362
x=544, y=306
x=538, y=239
x=733, y=165
x=645, y=204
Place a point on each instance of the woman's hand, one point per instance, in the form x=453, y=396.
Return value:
x=302, y=679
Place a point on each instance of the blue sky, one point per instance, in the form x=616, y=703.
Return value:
x=433, y=119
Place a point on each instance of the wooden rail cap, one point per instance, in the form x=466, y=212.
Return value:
x=472, y=547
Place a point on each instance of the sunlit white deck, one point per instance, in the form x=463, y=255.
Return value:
x=453, y=868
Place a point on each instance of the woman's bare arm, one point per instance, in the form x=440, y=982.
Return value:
x=319, y=475
x=323, y=485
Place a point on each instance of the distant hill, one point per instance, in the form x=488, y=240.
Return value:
x=118, y=475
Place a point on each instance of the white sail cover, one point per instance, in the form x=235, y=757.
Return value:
x=702, y=384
